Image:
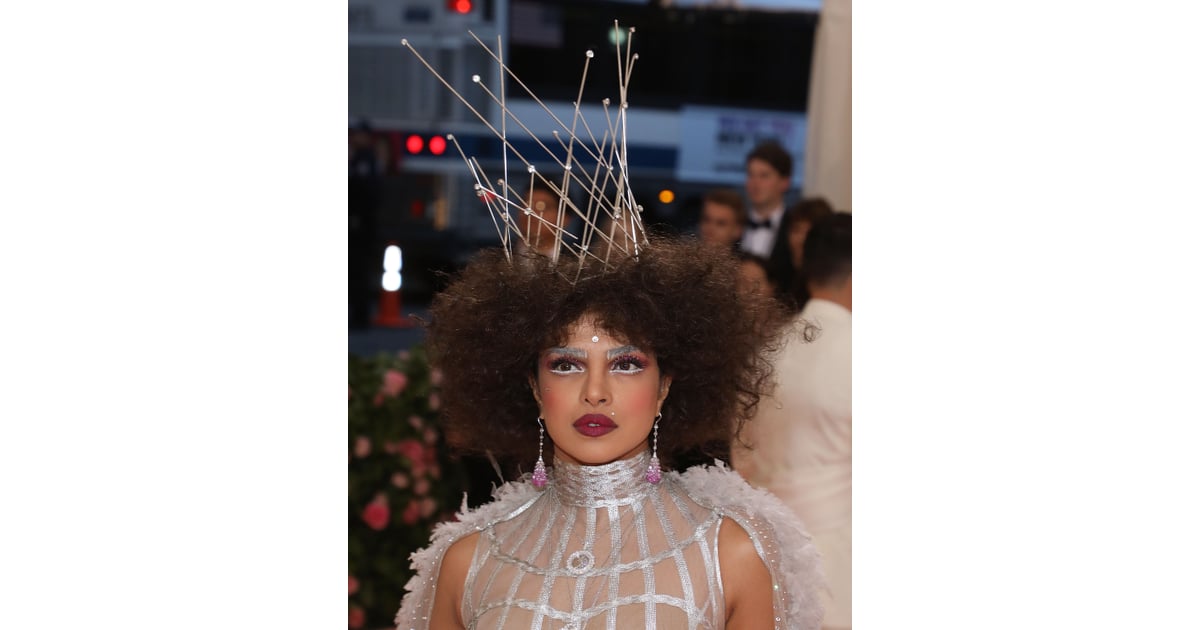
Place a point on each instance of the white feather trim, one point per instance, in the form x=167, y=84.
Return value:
x=779, y=535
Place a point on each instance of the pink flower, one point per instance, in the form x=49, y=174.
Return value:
x=378, y=400
x=435, y=377
x=416, y=422
x=353, y=585
x=377, y=513
x=421, y=487
x=390, y=448
x=428, y=507
x=357, y=617
x=412, y=512
x=412, y=449
x=430, y=436
x=435, y=402
x=362, y=446
x=434, y=472
x=403, y=354
x=400, y=480
x=393, y=383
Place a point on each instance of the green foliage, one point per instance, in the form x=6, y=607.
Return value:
x=402, y=481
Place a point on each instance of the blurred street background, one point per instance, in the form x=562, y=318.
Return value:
x=712, y=80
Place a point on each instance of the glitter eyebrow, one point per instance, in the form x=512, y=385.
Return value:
x=572, y=352
x=626, y=349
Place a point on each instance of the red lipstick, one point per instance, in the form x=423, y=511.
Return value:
x=594, y=425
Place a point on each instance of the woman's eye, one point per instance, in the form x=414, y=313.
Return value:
x=628, y=365
x=564, y=366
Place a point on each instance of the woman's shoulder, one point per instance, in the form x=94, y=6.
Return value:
x=774, y=532
x=507, y=500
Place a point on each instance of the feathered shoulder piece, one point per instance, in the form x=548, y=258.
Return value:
x=778, y=535
x=508, y=499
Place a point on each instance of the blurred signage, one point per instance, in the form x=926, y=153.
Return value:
x=714, y=141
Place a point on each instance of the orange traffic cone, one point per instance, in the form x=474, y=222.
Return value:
x=389, y=310
x=389, y=297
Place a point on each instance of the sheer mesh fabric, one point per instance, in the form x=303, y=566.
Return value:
x=604, y=550
x=600, y=548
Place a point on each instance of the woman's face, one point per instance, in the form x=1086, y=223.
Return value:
x=598, y=395
x=544, y=205
x=752, y=278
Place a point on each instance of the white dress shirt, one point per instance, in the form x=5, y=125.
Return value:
x=761, y=240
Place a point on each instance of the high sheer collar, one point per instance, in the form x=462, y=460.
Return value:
x=620, y=483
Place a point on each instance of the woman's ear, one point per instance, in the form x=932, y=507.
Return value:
x=664, y=386
x=533, y=387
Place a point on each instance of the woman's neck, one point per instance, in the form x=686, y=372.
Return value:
x=618, y=483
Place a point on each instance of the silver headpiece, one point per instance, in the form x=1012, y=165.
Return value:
x=595, y=163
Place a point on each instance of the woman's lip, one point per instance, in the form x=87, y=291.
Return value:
x=594, y=425
x=595, y=419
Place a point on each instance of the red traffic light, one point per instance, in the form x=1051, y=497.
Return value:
x=414, y=144
x=437, y=145
x=460, y=6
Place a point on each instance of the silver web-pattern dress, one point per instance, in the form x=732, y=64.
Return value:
x=600, y=548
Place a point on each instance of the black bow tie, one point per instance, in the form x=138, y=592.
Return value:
x=751, y=224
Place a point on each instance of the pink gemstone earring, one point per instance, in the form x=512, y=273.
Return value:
x=539, y=469
x=654, y=471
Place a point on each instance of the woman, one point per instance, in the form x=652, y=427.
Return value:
x=607, y=371
x=784, y=267
x=752, y=274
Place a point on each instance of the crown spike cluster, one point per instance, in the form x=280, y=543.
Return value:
x=610, y=216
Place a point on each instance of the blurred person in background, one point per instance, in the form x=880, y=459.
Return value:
x=798, y=446
x=768, y=176
x=619, y=230
x=540, y=227
x=786, y=262
x=722, y=216
x=752, y=275
x=364, y=191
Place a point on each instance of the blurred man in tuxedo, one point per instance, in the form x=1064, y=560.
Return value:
x=768, y=176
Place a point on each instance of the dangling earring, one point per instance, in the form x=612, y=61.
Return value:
x=654, y=471
x=539, y=469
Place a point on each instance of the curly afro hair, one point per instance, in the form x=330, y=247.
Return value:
x=677, y=299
